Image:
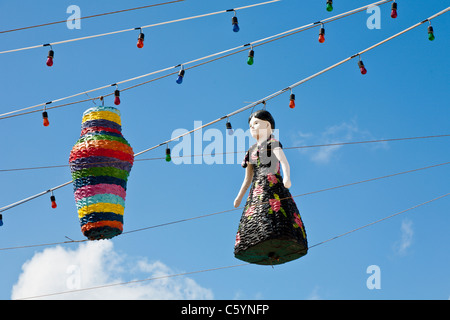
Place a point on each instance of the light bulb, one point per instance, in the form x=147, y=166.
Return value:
x=251, y=55
x=116, y=97
x=53, y=200
x=229, y=128
x=1, y=220
x=50, y=56
x=431, y=36
x=394, y=10
x=361, y=67
x=234, y=22
x=329, y=5
x=292, y=101
x=322, y=35
x=168, y=158
x=45, y=117
x=180, y=78
x=140, y=43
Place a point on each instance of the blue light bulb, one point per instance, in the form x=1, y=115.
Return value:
x=180, y=77
x=1, y=220
x=234, y=21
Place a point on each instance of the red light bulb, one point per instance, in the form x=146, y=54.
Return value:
x=45, y=117
x=53, y=200
x=394, y=10
x=361, y=67
x=50, y=56
x=322, y=35
x=140, y=43
x=292, y=101
x=117, y=97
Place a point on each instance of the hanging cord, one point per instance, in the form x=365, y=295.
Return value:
x=235, y=209
x=225, y=53
x=235, y=152
x=91, y=16
x=132, y=29
x=257, y=102
x=231, y=266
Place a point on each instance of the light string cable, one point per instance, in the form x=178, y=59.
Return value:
x=235, y=152
x=92, y=16
x=252, y=105
x=273, y=95
x=235, y=209
x=137, y=28
x=225, y=53
x=236, y=265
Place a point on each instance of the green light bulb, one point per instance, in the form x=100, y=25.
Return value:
x=251, y=54
x=168, y=158
x=329, y=6
x=431, y=33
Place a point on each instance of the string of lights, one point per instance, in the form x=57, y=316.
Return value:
x=252, y=105
x=237, y=265
x=181, y=72
x=134, y=29
x=91, y=16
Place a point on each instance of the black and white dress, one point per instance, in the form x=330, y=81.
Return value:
x=271, y=230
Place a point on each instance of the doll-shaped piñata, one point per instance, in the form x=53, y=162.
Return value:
x=271, y=230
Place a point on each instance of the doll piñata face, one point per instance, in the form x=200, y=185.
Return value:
x=260, y=128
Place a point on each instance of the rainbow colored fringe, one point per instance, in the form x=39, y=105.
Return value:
x=100, y=163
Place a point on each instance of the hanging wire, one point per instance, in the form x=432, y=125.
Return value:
x=240, y=208
x=142, y=27
x=218, y=55
x=273, y=95
x=91, y=16
x=231, y=266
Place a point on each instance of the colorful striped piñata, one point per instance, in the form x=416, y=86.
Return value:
x=100, y=163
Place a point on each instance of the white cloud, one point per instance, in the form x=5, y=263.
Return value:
x=344, y=132
x=96, y=263
x=314, y=294
x=407, y=233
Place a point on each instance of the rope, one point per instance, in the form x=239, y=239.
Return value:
x=227, y=52
x=231, y=266
x=235, y=209
x=91, y=16
x=137, y=28
x=235, y=152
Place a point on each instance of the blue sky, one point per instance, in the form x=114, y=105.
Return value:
x=404, y=94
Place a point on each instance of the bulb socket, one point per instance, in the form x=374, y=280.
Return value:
x=251, y=53
x=234, y=20
x=51, y=54
x=117, y=93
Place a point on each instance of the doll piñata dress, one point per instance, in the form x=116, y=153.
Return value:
x=271, y=230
